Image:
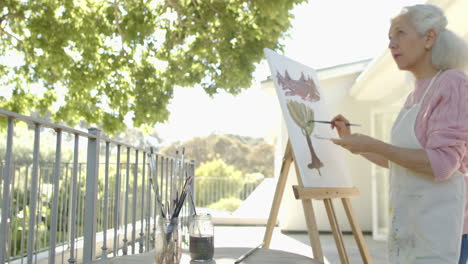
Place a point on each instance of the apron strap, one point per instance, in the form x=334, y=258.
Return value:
x=429, y=86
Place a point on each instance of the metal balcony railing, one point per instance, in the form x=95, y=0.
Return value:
x=79, y=211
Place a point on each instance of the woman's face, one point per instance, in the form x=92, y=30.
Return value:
x=408, y=48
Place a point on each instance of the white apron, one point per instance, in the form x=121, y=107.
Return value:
x=426, y=216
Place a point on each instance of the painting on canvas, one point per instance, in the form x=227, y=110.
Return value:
x=321, y=163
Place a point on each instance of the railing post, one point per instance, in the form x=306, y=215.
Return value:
x=152, y=178
x=6, y=191
x=157, y=191
x=134, y=201
x=117, y=203
x=74, y=195
x=25, y=195
x=105, y=209
x=33, y=202
x=53, y=224
x=142, y=215
x=148, y=216
x=127, y=186
x=90, y=213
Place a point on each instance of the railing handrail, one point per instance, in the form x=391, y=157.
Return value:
x=45, y=123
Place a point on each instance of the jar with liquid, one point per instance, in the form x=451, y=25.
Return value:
x=201, y=231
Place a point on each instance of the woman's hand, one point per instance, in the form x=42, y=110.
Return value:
x=339, y=122
x=357, y=143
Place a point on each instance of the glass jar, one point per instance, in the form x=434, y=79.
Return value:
x=168, y=247
x=201, y=231
x=160, y=241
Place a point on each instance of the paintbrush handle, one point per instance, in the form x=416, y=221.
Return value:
x=191, y=201
x=330, y=122
x=248, y=253
x=179, y=205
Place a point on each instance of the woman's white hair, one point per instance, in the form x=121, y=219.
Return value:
x=449, y=51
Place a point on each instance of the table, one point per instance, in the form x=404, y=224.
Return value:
x=222, y=256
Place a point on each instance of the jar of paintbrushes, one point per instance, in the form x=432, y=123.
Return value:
x=169, y=243
x=168, y=232
x=168, y=240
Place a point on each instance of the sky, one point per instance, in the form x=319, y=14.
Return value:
x=324, y=33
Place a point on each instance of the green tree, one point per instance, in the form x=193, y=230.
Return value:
x=102, y=61
x=23, y=144
x=213, y=174
x=246, y=154
x=138, y=138
x=261, y=159
x=229, y=204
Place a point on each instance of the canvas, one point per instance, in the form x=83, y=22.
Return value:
x=321, y=163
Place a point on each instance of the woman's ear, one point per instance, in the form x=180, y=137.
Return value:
x=430, y=38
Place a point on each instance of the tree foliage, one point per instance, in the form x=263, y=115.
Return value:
x=103, y=61
x=213, y=174
x=23, y=145
x=228, y=204
x=246, y=154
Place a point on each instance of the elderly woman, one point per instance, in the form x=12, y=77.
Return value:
x=427, y=156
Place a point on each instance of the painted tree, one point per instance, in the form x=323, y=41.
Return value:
x=101, y=61
x=301, y=114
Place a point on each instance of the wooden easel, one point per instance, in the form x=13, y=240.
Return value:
x=306, y=194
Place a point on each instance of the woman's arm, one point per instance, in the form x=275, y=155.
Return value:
x=413, y=159
x=376, y=159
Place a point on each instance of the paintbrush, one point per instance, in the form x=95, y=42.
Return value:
x=329, y=122
x=182, y=198
x=248, y=253
x=175, y=214
x=154, y=183
x=178, y=207
x=192, y=203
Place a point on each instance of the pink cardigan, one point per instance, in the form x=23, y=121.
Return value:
x=442, y=125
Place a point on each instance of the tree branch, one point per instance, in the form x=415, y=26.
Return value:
x=9, y=34
x=201, y=19
x=7, y=16
x=213, y=8
x=117, y=25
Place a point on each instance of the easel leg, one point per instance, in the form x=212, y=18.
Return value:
x=336, y=231
x=311, y=222
x=287, y=160
x=357, y=232
x=312, y=229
